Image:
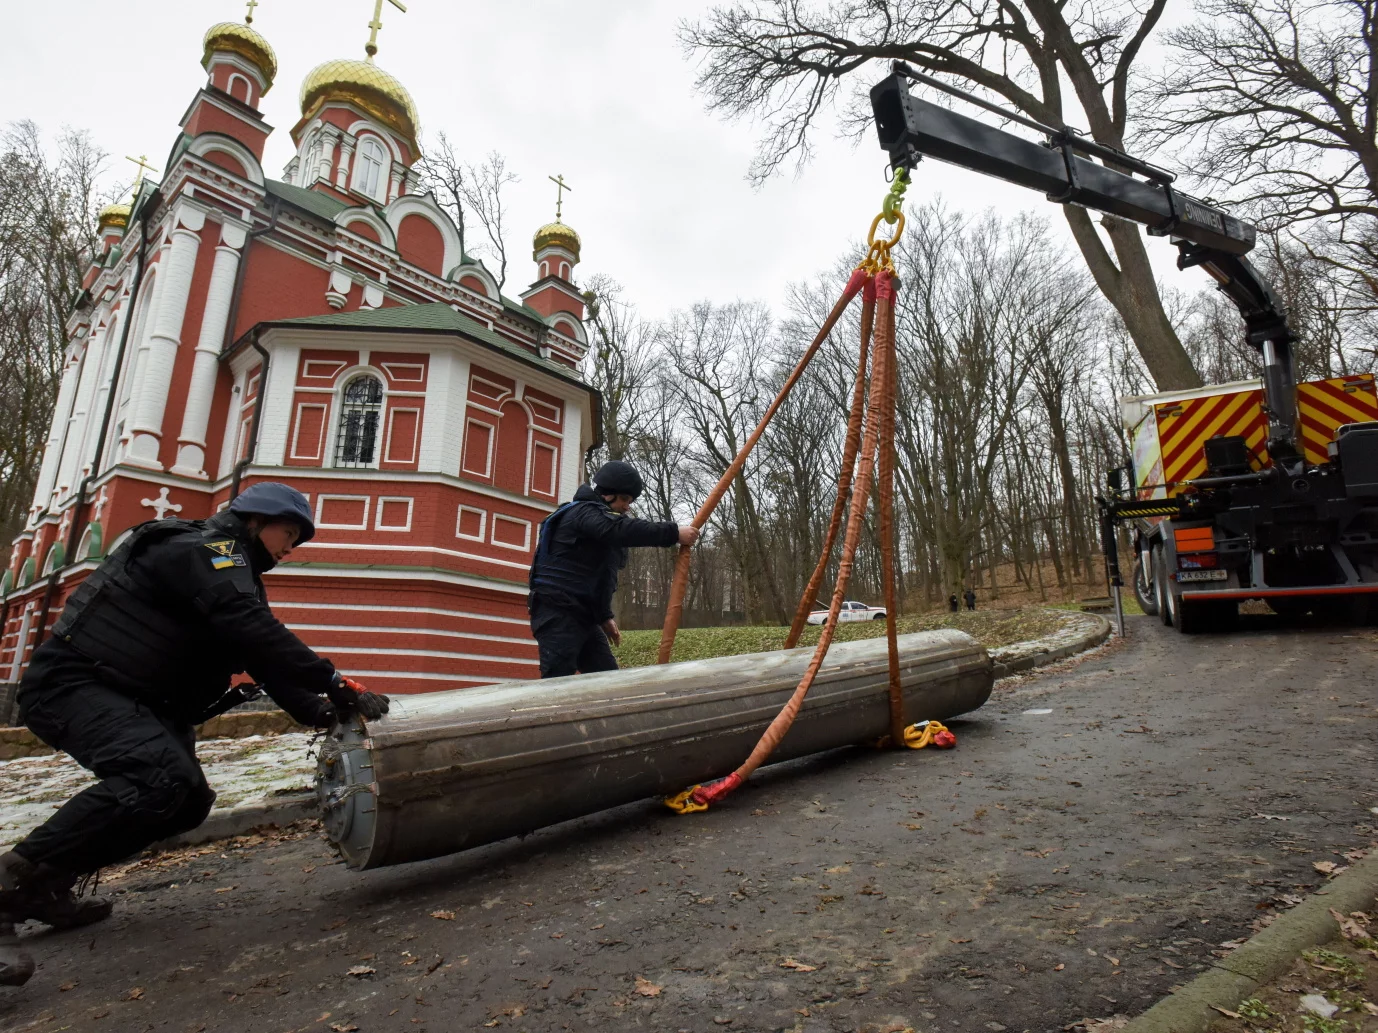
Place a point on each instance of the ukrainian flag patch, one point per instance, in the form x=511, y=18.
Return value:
x=226, y=562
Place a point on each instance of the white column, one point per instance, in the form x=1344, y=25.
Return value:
x=173, y=292
x=280, y=385
x=110, y=345
x=191, y=442
x=342, y=169
x=571, y=455
x=442, y=432
x=69, y=470
x=52, y=452
x=136, y=356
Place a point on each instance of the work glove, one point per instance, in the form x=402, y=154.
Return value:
x=322, y=713
x=350, y=696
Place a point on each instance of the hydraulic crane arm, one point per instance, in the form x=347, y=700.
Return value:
x=1061, y=167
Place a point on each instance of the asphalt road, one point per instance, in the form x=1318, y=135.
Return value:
x=1054, y=867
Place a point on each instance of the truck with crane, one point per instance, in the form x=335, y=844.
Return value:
x=1264, y=489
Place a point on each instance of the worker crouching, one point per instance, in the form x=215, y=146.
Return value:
x=143, y=651
x=582, y=547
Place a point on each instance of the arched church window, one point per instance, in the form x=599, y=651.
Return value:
x=360, y=411
x=369, y=164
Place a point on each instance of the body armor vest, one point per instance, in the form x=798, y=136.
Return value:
x=143, y=643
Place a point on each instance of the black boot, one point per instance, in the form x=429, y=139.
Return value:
x=44, y=894
x=16, y=964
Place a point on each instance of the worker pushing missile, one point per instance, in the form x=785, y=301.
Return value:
x=582, y=547
x=144, y=651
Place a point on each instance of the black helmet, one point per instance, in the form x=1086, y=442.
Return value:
x=277, y=501
x=618, y=478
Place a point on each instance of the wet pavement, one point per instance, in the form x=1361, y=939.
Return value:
x=1096, y=834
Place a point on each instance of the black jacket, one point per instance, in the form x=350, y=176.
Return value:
x=582, y=546
x=178, y=609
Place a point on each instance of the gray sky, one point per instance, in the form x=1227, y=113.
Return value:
x=597, y=90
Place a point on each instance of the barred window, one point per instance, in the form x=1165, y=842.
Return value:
x=359, y=414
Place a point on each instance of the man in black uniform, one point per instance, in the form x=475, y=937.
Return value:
x=582, y=546
x=143, y=651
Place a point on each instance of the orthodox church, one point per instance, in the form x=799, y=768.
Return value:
x=325, y=329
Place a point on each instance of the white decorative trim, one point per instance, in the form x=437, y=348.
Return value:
x=525, y=525
x=503, y=392
x=535, y=403
x=411, y=548
x=393, y=369
x=554, y=469
x=487, y=470
x=448, y=577
x=435, y=654
x=321, y=500
x=482, y=535
x=425, y=206
x=433, y=611
x=334, y=364
x=384, y=629
x=387, y=456
x=320, y=438
x=378, y=524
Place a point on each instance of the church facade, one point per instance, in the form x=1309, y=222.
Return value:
x=325, y=329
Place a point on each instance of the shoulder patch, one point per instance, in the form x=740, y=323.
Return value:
x=224, y=548
x=226, y=562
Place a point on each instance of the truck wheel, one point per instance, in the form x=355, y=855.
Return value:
x=1144, y=590
x=878, y=617
x=1161, y=592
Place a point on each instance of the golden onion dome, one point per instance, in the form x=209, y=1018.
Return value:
x=367, y=87
x=113, y=215
x=238, y=38
x=556, y=233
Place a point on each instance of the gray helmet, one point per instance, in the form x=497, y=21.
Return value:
x=618, y=478
x=279, y=502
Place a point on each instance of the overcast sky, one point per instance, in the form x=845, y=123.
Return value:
x=598, y=90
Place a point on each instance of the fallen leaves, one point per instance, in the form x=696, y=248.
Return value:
x=135, y=994
x=1329, y=868
x=1352, y=926
x=67, y=986
x=343, y=1027
x=645, y=988
x=797, y=966
x=1226, y=1012
x=1058, y=968
x=444, y=916
x=359, y=971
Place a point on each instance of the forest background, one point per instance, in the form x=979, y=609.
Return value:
x=1015, y=339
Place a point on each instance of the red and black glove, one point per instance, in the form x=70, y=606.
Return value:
x=350, y=696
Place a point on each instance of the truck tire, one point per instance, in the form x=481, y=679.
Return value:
x=1160, y=589
x=878, y=617
x=1144, y=591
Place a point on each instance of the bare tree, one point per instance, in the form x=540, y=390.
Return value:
x=467, y=189
x=48, y=203
x=1277, y=101
x=618, y=364
x=785, y=60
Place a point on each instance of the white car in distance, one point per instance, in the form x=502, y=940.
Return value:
x=851, y=611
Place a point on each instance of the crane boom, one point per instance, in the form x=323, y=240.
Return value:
x=1063, y=167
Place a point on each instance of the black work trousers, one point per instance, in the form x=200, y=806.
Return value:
x=569, y=644
x=151, y=784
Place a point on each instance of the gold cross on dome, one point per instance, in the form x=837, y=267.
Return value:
x=560, y=187
x=249, y=16
x=142, y=162
x=371, y=47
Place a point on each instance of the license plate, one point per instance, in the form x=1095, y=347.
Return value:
x=1203, y=575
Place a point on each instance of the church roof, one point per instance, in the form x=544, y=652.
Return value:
x=314, y=201
x=434, y=317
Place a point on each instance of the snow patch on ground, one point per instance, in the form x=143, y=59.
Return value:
x=239, y=770
x=1075, y=626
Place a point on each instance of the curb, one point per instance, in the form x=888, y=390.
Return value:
x=235, y=821
x=1092, y=638
x=1263, y=957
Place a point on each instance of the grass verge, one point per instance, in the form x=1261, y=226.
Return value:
x=992, y=628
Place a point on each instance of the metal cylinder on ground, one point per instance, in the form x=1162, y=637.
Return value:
x=446, y=771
